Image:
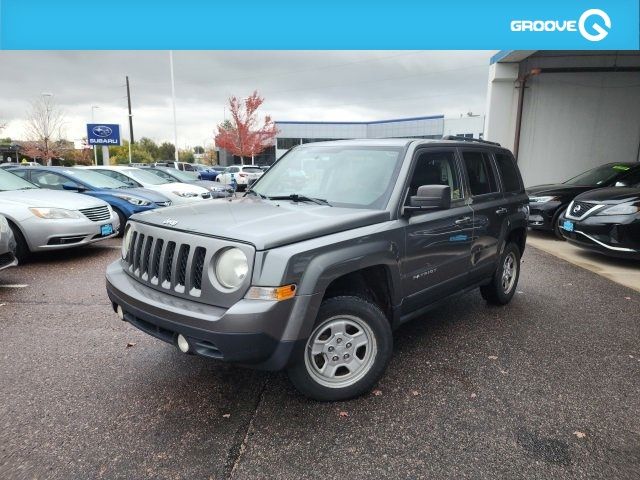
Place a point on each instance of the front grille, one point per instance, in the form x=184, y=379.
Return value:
x=167, y=264
x=579, y=210
x=180, y=264
x=97, y=214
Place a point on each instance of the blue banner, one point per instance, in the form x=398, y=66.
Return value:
x=328, y=24
x=103, y=134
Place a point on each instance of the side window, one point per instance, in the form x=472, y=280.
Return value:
x=115, y=175
x=233, y=170
x=508, y=172
x=51, y=181
x=189, y=168
x=436, y=168
x=481, y=177
x=24, y=174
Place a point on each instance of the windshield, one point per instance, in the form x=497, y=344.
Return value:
x=358, y=177
x=144, y=176
x=95, y=179
x=184, y=176
x=9, y=181
x=599, y=175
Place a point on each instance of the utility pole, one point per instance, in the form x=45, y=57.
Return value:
x=173, y=96
x=95, y=147
x=130, y=118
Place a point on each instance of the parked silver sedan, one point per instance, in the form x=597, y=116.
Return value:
x=7, y=245
x=50, y=220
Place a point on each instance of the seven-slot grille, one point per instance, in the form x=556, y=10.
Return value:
x=166, y=264
x=97, y=214
x=578, y=210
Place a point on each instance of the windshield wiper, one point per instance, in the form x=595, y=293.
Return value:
x=301, y=198
x=256, y=193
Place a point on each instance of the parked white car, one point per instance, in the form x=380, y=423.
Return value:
x=243, y=174
x=7, y=245
x=179, y=193
x=50, y=220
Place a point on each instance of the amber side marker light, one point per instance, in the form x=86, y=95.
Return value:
x=271, y=293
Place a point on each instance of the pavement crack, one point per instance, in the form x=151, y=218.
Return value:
x=237, y=449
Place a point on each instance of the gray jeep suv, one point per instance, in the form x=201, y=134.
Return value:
x=335, y=246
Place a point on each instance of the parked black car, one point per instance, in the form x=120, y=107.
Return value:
x=606, y=220
x=548, y=202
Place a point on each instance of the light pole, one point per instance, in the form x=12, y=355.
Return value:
x=95, y=151
x=173, y=97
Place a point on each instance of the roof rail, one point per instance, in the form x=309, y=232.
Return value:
x=469, y=139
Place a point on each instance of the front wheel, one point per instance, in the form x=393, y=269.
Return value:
x=347, y=352
x=503, y=284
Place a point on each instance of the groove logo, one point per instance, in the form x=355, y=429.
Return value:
x=594, y=25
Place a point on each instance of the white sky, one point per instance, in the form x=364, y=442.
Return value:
x=297, y=85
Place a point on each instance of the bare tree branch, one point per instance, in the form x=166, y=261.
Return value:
x=44, y=129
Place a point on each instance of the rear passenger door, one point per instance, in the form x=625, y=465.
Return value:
x=490, y=209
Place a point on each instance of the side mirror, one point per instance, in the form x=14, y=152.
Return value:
x=132, y=184
x=73, y=187
x=621, y=184
x=431, y=197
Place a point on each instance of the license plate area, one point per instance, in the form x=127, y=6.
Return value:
x=106, y=229
x=568, y=225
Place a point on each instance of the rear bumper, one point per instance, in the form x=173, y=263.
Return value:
x=250, y=333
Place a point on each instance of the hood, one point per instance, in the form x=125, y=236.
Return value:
x=145, y=193
x=179, y=187
x=263, y=223
x=612, y=195
x=558, y=189
x=39, y=197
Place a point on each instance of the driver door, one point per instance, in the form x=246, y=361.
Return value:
x=437, y=242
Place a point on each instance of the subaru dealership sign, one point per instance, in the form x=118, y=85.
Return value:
x=103, y=134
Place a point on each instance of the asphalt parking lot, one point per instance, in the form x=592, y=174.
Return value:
x=544, y=388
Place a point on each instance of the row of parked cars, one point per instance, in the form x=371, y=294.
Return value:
x=598, y=210
x=50, y=208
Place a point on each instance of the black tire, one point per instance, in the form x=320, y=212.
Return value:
x=122, y=219
x=494, y=292
x=555, y=224
x=377, y=325
x=22, y=248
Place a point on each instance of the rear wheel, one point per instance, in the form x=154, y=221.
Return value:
x=22, y=248
x=347, y=352
x=505, y=279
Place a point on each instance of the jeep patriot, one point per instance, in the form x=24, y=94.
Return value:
x=331, y=249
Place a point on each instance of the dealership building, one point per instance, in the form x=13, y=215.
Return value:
x=293, y=133
x=564, y=112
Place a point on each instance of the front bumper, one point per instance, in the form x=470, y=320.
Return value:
x=541, y=215
x=615, y=236
x=7, y=260
x=251, y=332
x=43, y=234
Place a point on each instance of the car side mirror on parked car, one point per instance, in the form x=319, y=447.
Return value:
x=431, y=197
x=73, y=187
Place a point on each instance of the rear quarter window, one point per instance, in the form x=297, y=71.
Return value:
x=508, y=172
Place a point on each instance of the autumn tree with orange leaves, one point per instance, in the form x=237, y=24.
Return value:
x=244, y=135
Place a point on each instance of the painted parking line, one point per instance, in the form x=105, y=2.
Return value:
x=14, y=285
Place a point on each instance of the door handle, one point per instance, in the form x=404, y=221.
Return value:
x=501, y=211
x=462, y=221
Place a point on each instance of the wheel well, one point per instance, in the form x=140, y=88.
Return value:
x=372, y=283
x=519, y=237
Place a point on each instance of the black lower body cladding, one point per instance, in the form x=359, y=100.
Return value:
x=250, y=334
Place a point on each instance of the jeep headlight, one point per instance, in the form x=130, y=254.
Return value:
x=55, y=213
x=231, y=268
x=126, y=241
